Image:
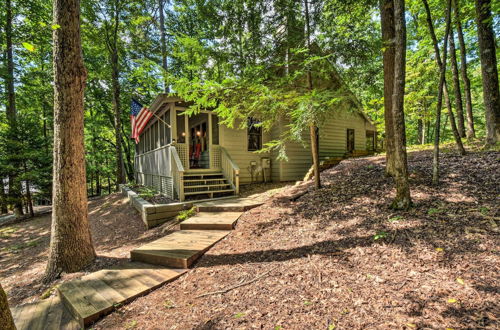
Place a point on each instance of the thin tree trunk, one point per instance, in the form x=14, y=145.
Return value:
x=71, y=246
x=456, y=86
x=388, y=35
x=456, y=135
x=420, y=130
x=29, y=200
x=6, y=320
x=403, y=199
x=487, y=52
x=14, y=184
x=163, y=42
x=435, y=159
x=312, y=127
x=471, y=132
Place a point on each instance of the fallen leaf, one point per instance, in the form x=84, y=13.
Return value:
x=452, y=301
x=460, y=281
x=439, y=249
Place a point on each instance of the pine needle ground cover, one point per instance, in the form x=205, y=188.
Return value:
x=339, y=258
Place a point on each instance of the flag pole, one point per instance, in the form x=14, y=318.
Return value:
x=154, y=114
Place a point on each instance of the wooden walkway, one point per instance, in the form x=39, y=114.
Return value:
x=48, y=314
x=81, y=302
x=212, y=221
x=179, y=249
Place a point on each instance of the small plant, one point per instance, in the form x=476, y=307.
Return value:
x=433, y=211
x=132, y=324
x=239, y=315
x=307, y=303
x=145, y=192
x=380, y=235
x=484, y=210
x=169, y=304
x=396, y=218
x=186, y=214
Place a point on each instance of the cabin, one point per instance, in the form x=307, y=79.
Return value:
x=193, y=157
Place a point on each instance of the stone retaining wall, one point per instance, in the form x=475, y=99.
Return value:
x=153, y=214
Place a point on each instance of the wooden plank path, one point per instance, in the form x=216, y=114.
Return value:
x=48, y=314
x=98, y=293
x=82, y=302
x=228, y=205
x=212, y=221
x=179, y=249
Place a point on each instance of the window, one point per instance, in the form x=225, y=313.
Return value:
x=181, y=127
x=254, y=131
x=350, y=140
x=370, y=140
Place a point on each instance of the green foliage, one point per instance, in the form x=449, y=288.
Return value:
x=186, y=214
x=380, y=235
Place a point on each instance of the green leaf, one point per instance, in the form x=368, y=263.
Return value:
x=29, y=46
x=55, y=26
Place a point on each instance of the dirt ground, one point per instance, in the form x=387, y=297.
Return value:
x=338, y=258
x=116, y=229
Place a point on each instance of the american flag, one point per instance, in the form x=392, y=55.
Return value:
x=139, y=117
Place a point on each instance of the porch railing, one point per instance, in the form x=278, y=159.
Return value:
x=177, y=173
x=230, y=169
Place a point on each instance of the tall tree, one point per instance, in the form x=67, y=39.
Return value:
x=313, y=129
x=71, y=246
x=112, y=43
x=163, y=44
x=456, y=85
x=388, y=35
x=6, y=319
x=14, y=183
x=440, y=64
x=403, y=199
x=487, y=51
x=441, y=90
x=471, y=132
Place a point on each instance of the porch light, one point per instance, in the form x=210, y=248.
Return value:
x=183, y=133
x=198, y=133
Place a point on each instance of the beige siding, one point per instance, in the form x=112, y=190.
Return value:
x=333, y=135
x=299, y=161
x=235, y=141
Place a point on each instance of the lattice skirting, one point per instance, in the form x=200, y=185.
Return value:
x=163, y=184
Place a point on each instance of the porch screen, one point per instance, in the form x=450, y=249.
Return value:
x=215, y=129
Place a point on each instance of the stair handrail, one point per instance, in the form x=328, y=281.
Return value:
x=177, y=172
x=230, y=169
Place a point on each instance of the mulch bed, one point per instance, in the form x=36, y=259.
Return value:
x=339, y=258
x=116, y=229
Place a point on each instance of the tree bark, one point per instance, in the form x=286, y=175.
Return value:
x=471, y=132
x=6, y=320
x=441, y=89
x=163, y=42
x=388, y=35
x=403, y=199
x=11, y=112
x=312, y=127
x=3, y=198
x=456, y=85
x=71, y=246
x=453, y=125
x=487, y=51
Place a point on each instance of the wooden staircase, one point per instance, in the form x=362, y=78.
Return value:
x=211, y=184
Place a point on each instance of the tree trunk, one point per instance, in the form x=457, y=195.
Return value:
x=420, y=130
x=163, y=47
x=29, y=200
x=313, y=134
x=3, y=198
x=491, y=93
x=14, y=184
x=471, y=133
x=6, y=320
x=435, y=159
x=71, y=246
x=456, y=86
x=403, y=199
x=456, y=135
x=388, y=35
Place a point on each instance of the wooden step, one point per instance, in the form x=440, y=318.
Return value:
x=211, y=221
x=101, y=292
x=47, y=314
x=208, y=186
x=179, y=249
x=203, y=175
x=220, y=191
x=204, y=180
x=228, y=205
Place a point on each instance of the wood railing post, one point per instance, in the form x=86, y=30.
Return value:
x=237, y=181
